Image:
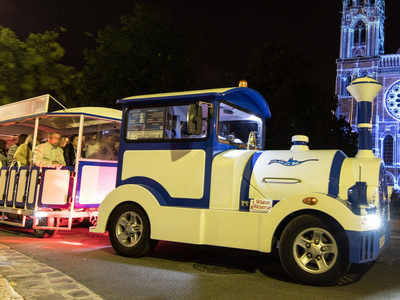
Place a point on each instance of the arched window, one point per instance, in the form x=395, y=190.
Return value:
x=346, y=79
x=389, y=179
x=371, y=1
x=361, y=2
x=364, y=73
x=388, y=148
x=359, y=34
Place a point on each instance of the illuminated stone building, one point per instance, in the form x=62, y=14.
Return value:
x=362, y=54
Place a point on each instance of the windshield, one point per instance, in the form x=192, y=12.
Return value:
x=235, y=125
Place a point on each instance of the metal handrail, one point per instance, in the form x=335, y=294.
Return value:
x=266, y=179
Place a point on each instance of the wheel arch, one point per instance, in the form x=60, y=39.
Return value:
x=331, y=222
x=332, y=211
x=124, y=203
x=130, y=193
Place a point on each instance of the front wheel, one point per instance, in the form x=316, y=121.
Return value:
x=311, y=252
x=129, y=231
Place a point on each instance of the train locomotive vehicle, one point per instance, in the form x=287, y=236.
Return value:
x=50, y=199
x=191, y=169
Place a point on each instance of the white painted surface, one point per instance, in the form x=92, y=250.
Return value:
x=180, y=172
x=55, y=187
x=96, y=183
x=226, y=179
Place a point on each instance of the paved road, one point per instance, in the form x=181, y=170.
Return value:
x=23, y=275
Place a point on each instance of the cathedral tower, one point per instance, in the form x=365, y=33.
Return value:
x=362, y=54
x=362, y=28
x=362, y=41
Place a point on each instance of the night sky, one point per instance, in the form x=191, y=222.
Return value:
x=231, y=31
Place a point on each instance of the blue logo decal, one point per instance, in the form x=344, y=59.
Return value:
x=291, y=162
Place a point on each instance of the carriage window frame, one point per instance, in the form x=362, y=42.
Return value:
x=165, y=138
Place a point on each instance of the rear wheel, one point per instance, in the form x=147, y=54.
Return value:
x=46, y=222
x=129, y=231
x=312, y=253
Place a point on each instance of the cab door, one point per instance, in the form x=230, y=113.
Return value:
x=164, y=154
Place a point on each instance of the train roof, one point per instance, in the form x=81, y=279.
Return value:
x=100, y=112
x=243, y=96
x=46, y=105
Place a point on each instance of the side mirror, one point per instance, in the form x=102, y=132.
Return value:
x=194, y=118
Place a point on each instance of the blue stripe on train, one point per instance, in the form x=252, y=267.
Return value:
x=245, y=186
x=334, y=176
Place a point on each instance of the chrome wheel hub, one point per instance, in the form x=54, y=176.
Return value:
x=315, y=250
x=129, y=229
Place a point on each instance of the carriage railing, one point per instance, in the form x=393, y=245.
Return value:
x=47, y=193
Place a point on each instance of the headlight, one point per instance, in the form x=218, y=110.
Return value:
x=372, y=221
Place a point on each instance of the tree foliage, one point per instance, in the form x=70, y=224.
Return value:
x=298, y=106
x=145, y=54
x=31, y=68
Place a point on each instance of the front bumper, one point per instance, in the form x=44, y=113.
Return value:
x=366, y=245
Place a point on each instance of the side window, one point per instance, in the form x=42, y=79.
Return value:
x=100, y=139
x=359, y=34
x=346, y=79
x=235, y=125
x=146, y=123
x=164, y=123
x=388, y=147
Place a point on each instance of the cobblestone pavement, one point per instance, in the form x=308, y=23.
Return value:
x=22, y=277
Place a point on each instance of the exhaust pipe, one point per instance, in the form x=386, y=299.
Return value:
x=364, y=91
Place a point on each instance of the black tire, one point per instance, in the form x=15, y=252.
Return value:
x=129, y=231
x=39, y=233
x=29, y=222
x=312, y=253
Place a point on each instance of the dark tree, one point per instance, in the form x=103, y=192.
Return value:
x=298, y=106
x=145, y=54
x=32, y=68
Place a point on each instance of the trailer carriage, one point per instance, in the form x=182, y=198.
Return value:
x=46, y=198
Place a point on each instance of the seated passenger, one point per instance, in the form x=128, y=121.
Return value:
x=13, y=148
x=70, y=150
x=49, y=154
x=24, y=151
x=102, y=149
x=63, y=141
x=116, y=150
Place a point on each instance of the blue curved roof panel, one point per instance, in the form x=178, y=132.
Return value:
x=244, y=97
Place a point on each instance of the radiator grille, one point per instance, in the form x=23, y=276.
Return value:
x=367, y=247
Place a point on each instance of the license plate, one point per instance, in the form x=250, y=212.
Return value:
x=381, y=242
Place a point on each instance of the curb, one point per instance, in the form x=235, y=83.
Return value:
x=22, y=277
x=7, y=292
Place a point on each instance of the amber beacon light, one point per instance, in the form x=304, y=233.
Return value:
x=243, y=83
